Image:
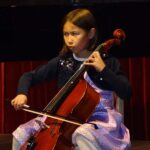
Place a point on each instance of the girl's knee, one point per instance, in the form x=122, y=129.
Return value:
x=15, y=144
x=83, y=143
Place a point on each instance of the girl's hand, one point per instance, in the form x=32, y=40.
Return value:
x=19, y=101
x=96, y=61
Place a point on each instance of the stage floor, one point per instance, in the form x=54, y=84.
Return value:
x=6, y=141
x=140, y=145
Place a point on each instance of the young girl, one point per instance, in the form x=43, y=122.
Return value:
x=105, y=129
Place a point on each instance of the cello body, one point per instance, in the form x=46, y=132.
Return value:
x=78, y=106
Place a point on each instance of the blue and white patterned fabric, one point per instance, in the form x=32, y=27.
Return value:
x=105, y=128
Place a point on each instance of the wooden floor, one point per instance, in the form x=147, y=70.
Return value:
x=141, y=145
x=6, y=141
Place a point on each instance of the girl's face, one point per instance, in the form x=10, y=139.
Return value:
x=75, y=38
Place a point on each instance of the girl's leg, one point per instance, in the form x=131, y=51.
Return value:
x=84, y=144
x=15, y=144
x=26, y=130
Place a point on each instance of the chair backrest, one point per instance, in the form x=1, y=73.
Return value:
x=119, y=104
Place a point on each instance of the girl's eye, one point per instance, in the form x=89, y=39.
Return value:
x=74, y=33
x=66, y=33
x=71, y=33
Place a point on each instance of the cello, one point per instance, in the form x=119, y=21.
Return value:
x=64, y=113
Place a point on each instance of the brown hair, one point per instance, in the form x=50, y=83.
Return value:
x=84, y=19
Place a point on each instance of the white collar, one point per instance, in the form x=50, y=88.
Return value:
x=78, y=58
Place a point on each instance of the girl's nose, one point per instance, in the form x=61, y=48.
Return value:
x=70, y=42
x=70, y=39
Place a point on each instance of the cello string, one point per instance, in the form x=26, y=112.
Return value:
x=71, y=82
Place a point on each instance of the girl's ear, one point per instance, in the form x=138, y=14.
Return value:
x=92, y=33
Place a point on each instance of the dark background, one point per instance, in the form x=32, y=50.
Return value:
x=30, y=29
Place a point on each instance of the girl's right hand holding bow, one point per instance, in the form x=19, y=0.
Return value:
x=19, y=101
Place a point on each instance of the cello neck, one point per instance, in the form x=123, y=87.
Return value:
x=58, y=99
